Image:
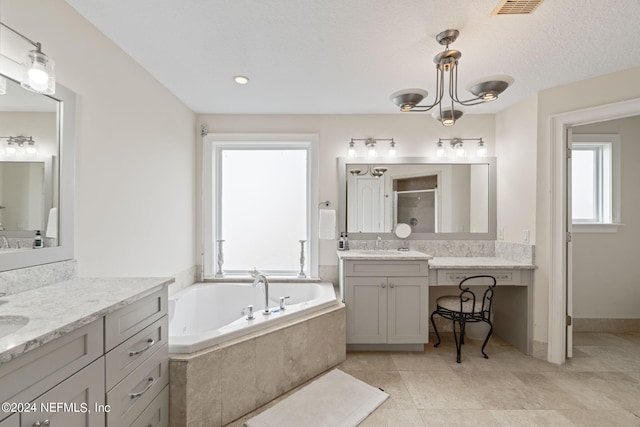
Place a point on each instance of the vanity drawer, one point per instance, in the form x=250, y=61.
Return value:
x=503, y=277
x=128, y=321
x=129, y=398
x=123, y=359
x=44, y=367
x=157, y=413
x=386, y=268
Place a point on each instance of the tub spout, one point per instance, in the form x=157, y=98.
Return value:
x=262, y=278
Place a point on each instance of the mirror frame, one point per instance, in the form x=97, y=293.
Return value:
x=66, y=132
x=343, y=162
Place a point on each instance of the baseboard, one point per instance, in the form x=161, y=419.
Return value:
x=606, y=325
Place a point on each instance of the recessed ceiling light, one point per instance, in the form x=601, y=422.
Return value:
x=241, y=80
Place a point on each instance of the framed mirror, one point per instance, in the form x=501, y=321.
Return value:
x=438, y=198
x=36, y=186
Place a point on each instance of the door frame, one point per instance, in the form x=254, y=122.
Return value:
x=559, y=285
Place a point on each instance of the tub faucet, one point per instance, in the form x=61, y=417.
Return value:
x=262, y=278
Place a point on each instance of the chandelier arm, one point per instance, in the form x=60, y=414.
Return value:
x=439, y=94
x=467, y=102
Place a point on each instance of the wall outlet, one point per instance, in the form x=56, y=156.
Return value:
x=525, y=236
x=500, y=233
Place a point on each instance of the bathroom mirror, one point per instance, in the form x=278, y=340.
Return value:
x=36, y=189
x=437, y=198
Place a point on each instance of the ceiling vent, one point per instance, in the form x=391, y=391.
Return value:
x=516, y=7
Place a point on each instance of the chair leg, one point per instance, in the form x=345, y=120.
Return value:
x=486, y=340
x=435, y=329
x=457, y=339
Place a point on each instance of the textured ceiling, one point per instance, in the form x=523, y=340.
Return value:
x=348, y=56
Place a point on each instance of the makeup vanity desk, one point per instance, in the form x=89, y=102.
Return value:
x=390, y=294
x=513, y=297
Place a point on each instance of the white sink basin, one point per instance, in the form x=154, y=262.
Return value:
x=5, y=250
x=10, y=324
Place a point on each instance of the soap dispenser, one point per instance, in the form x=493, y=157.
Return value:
x=341, y=242
x=37, y=242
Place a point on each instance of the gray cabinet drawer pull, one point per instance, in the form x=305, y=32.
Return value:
x=391, y=285
x=152, y=381
x=383, y=285
x=44, y=423
x=150, y=343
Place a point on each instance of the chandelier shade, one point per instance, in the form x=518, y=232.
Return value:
x=447, y=69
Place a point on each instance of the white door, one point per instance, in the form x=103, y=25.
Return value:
x=569, y=247
x=369, y=204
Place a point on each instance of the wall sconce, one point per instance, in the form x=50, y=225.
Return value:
x=457, y=144
x=38, y=74
x=20, y=145
x=375, y=172
x=370, y=144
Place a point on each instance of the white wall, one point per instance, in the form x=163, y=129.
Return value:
x=415, y=134
x=523, y=133
x=135, y=150
x=605, y=276
x=516, y=145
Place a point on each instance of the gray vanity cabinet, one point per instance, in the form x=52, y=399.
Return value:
x=387, y=301
x=112, y=371
x=12, y=421
x=78, y=401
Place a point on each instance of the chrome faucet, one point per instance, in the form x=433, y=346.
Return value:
x=5, y=242
x=262, y=278
x=378, y=241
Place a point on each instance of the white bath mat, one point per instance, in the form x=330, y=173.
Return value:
x=336, y=399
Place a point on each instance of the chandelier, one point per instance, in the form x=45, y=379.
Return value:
x=447, y=65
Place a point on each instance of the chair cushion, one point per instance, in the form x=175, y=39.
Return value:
x=452, y=303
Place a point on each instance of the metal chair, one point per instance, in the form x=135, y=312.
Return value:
x=466, y=308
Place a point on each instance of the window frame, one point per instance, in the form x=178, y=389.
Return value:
x=610, y=215
x=213, y=143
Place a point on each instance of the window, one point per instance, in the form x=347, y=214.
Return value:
x=595, y=182
x=259, y=199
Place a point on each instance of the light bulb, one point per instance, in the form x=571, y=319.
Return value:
x=459, y=150
x=439, y=149
x=351, y=152
x=482, y=150
x=31, y=149
x=10, y=149
x=392, y=149
x=372, y=151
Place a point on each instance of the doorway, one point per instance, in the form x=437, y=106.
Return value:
x=560, y=286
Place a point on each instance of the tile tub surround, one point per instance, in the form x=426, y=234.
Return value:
x=58, y=309
x=24, y=279
x=218, y=385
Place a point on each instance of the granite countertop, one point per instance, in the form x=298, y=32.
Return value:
x=383, y=255
x=462, y=263
x=58, y=309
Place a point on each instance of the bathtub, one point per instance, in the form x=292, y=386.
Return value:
x=208, y=314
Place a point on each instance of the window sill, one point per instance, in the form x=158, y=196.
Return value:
x=595, y=228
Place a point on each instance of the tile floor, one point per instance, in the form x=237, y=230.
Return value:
x=600, y=386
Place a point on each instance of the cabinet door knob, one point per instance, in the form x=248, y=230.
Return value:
x=383, y=285
x=391, y=285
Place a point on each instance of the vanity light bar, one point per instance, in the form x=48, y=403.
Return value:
x=370, y=144
x=38, y=70
x=457, y=144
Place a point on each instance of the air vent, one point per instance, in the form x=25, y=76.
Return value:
x=516, y=7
